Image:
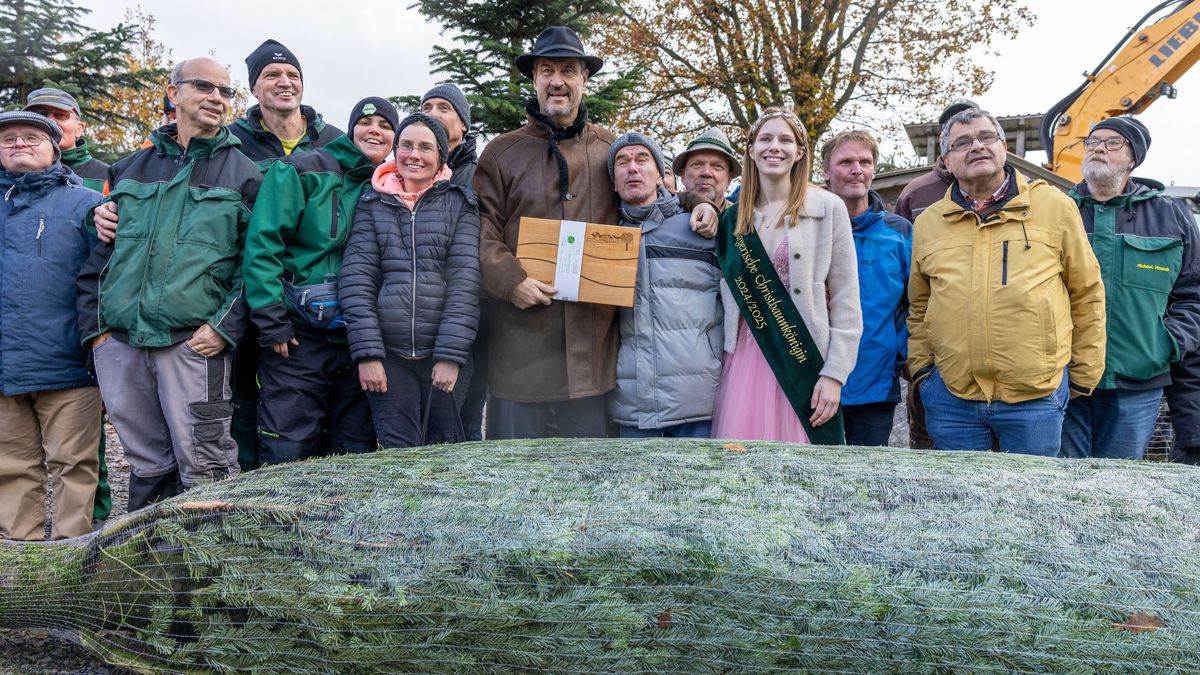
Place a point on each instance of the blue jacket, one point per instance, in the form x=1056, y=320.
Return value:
x=883, y=242
x=44, y=244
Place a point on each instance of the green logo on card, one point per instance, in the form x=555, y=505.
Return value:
x=570, y=240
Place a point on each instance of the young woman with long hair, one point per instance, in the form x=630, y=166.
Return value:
x=790, y=291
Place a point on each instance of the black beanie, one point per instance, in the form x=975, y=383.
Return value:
x=1131, y=130
x=439, y=132
x=373, y=105
x=267, y=53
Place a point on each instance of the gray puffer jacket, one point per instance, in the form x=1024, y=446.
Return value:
x=409, y=284
x=669, y=363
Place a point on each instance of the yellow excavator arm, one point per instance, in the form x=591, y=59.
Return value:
x=1142, y=68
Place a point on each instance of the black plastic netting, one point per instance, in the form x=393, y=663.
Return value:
x=618, y=556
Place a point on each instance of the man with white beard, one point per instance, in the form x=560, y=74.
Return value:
x=1149, y=260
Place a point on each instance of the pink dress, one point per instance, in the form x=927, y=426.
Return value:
x=750, y=403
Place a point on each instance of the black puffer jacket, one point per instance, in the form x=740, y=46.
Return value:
x=399, y=307
x=462, y=161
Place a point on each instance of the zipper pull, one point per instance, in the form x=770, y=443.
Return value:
x=8, y=194
x=41, y=228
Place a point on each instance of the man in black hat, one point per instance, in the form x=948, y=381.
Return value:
x=1150, y=263
x=551, y=363
x=280, y=124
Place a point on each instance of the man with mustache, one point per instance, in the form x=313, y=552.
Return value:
x=551, y=363
x=161, y=307
x=1007, y=307
x=1146, y=246
x=708, y=165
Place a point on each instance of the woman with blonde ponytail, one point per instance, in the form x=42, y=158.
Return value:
x=790, y=291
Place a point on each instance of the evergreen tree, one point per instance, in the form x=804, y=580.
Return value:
x=44, y=44
x=497, y=33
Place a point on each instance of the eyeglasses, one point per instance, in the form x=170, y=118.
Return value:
x=1114, y=143
x=985, y=139
x=206, y=87
x=423, y=148
x=32, y=140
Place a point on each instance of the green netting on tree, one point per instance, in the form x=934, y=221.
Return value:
x=617, y=556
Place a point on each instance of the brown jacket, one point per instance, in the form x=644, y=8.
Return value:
x=923, y=192
x=565, y=350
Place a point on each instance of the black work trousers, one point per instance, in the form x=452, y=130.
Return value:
x=314, y=390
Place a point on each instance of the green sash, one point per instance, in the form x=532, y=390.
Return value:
x=775, y=323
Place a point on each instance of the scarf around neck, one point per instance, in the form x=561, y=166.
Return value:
x=666, y=205
x=558, y=134
x=387, y=179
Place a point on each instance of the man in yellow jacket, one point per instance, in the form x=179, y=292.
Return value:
x=1007, y=305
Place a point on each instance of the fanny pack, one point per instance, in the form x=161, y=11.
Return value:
x=317, y=304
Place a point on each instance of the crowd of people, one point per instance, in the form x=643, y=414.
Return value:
x=261, y=292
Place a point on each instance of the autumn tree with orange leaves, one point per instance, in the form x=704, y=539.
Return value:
x=720, y=62
x=133, y=112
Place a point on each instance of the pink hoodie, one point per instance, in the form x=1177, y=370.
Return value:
x=387, y=179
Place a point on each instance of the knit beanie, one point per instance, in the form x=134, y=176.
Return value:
x=35, y=120
x=373, y=105
x=267, y=53
x=1131, y=130
x=634, y=138
x=439, y=132
x=456, y=98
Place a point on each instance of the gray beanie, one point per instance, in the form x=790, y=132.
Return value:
x=41, y=122
x=456, y=98
x=634, y=138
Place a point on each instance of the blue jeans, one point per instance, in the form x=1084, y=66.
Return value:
x=701, y=429
x=1111, y=424
x=1029, y=428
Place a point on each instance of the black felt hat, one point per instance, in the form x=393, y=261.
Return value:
x=558, y=42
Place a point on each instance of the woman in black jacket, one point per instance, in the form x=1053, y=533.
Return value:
x=410, y=289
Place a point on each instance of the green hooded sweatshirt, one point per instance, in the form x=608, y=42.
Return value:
x=299, y=229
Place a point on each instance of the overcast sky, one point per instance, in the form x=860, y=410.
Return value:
x=376, y=47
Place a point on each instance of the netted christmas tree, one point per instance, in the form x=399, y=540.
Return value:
x=617, y=556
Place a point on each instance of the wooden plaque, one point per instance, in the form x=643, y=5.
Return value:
x=609, y=259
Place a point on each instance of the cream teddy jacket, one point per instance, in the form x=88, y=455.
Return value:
x=823, y=278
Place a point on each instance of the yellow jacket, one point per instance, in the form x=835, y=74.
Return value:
x=1001, y=304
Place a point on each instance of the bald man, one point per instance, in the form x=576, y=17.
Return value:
x=164, y=318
